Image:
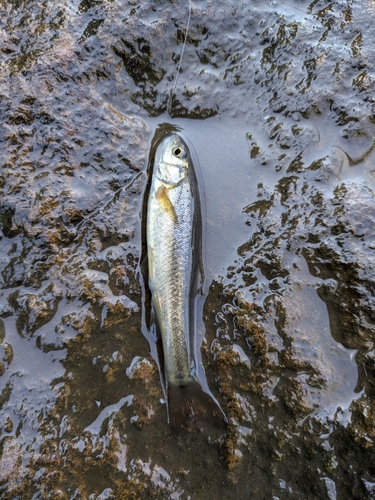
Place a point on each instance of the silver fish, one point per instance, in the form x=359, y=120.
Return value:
x=173, y=245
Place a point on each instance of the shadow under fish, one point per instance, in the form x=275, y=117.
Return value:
x=175, y=273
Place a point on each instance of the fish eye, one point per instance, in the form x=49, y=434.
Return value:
x=178, y=152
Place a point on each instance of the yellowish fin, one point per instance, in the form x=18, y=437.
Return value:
x=165, y=202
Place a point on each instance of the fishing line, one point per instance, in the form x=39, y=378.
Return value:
x=180, y=61
x=77, y=239
x=297, y=8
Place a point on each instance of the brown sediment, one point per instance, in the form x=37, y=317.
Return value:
x=145, y=371
x=144, y=412
x=363, y=410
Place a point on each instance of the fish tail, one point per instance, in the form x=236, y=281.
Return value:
x=188, y=403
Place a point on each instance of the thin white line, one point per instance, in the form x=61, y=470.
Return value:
x=180, y=61
x=183, y=48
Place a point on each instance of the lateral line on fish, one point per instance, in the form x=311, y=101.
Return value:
x=166, y=204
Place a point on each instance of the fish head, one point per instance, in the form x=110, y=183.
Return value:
x=172, y=160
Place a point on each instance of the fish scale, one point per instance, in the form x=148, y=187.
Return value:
x=172, y=269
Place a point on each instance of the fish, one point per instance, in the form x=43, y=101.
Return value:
x=173, y=232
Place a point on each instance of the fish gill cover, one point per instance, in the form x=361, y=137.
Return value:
x=282, y=97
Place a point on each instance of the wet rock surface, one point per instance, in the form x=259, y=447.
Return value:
x=278, y=99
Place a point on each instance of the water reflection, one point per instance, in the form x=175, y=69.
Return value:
x=277, y=98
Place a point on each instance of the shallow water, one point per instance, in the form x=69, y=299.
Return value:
x=277, y=100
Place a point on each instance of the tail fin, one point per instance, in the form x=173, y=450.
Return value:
x=188, y=403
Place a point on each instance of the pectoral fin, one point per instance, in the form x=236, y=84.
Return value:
x=165, y=203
